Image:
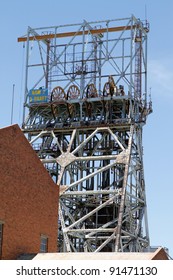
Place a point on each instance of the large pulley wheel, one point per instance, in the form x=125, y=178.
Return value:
x=57, y=95
x=109, y=87
x=91, y=91
x=73, y=92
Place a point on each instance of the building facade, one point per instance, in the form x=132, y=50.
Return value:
x=29, y=199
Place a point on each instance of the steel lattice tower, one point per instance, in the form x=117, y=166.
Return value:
x=84, y=111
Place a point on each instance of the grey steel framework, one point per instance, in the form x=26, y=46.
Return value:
x=88, y=130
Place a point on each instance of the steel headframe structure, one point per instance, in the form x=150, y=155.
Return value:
x=84, y=110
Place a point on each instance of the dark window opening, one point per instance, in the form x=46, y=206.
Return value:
x=1, y=236
x=44, y=244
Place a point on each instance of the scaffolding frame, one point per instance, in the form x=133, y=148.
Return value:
x=87, y=130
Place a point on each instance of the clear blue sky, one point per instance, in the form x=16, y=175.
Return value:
x=16, y=16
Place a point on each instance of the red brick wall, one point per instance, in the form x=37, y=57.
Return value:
x=28, y=197
x=160, y=254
